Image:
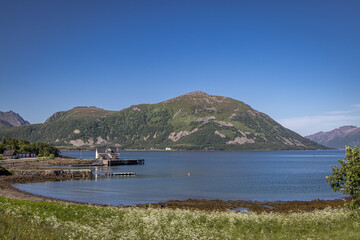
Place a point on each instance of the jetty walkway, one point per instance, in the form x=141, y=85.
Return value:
x=114, y=162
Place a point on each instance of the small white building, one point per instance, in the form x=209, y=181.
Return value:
x=168, y=149
x=108, y=153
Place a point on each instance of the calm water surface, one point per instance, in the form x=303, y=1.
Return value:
x=262, y=176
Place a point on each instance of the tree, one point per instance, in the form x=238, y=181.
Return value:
x=20, y=145
x=346, y=178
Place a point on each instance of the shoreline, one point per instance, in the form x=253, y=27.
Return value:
x=9, y=191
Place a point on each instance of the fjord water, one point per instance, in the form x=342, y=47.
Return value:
x=261, y=176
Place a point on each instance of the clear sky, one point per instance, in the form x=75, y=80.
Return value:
x=297, y=61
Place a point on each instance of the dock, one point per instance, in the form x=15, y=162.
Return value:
x=114, y=162
x=120, y=174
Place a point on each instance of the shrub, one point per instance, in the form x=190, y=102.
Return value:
x=4, y=171
x=346, y=178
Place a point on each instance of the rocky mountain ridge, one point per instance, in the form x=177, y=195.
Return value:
x=338, y=138
x=11, y=119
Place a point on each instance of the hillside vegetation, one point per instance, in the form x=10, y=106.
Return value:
x=194, y=121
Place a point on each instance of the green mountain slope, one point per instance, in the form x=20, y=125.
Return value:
x=4, y=124
x=192, y=121
x=78, y=113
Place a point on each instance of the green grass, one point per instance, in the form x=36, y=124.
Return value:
x=24, y=228
x=47, y=220
x=228, y=133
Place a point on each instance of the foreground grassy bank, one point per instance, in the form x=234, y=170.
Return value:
x=20, y=219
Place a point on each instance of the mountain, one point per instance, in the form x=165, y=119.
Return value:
x=78, y=113
x=338, y=138
x=11, y=119
x=195, y=121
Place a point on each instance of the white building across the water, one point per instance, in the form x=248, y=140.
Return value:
x=108, y=153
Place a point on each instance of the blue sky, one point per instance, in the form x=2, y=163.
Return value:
x=297, y=61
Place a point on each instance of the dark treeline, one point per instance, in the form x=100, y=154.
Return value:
x=22, y=146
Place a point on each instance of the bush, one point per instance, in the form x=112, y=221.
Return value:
x=1, y=157
x=346, y=178
x=51, y=156
x=4, y=171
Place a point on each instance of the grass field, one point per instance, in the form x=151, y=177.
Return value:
x=21, y=219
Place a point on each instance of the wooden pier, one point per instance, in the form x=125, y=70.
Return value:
x=114, y=162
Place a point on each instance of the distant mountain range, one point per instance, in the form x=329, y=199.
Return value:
x=338, y=138
x=11, y=119
x=193, y=121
